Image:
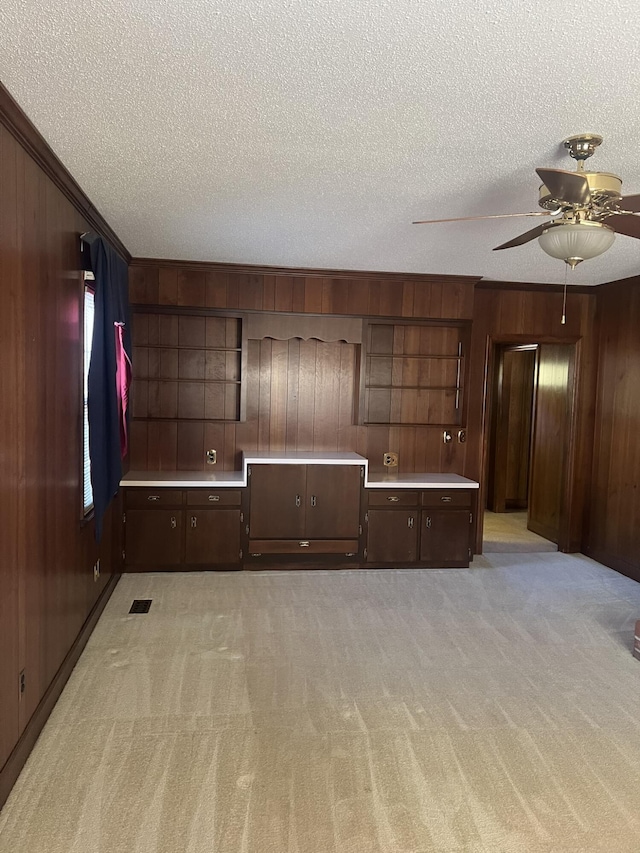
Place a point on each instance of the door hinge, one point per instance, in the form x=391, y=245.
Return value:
x=241, y=517
x=365, y=553
x=470, y=518
x=470, y=554
x=366, y=518
x=124, y=517
x=123, y=555
x=361, y=472
x=359, y=530
x=249, y=471
x=246, y=530
x=22, y=683
x=241, y=553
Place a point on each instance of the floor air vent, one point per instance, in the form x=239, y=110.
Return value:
x=140, y=605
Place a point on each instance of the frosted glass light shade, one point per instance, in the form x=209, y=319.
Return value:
x=573, y=242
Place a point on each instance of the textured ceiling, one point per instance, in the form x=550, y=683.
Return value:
x=312, y=132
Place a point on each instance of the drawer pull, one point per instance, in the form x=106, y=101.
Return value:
x=194, y=521
x=174, y=523
x=314, y=500
x=304, y=544
x=446, y=499
x=410, y=522
x=297, y=500
x=214, y=497
x=153, y=498
x=393, y=499
x=428, y=521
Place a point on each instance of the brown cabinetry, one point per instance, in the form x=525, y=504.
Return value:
x=180, y=529
x=430, y=528
x=297, y=509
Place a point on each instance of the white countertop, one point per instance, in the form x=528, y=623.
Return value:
x=238, y=479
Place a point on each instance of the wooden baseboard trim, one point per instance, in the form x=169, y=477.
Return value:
x=618, y=564
x=22, y=749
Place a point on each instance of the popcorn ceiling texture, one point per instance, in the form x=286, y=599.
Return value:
x=311, y=134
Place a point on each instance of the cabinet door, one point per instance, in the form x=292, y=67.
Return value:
x=213, y=536
x=277, y=507
x=393, y=536
x=445, y=536
x=333, y=501
x=153, y=537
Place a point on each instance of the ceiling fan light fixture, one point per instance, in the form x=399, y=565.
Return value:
x=573, y=242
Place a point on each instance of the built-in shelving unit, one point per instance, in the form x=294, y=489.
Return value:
x=414, y=375
x=186, y=367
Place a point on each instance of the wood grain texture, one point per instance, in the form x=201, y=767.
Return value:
x=503, y=316
x=48, y=553
x=550, y=438
x=614, y=510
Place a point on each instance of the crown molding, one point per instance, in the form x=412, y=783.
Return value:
x=20, y=126
x=488, y=284
x=303, y=272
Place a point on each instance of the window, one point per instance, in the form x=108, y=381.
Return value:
x=89, y=308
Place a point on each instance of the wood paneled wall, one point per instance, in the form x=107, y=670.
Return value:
x=614, y=516
x=515, y=314
x=300, y=395
x=47, y=589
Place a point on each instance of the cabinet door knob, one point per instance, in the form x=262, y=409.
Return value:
x=428, y=521
x=194, y=521
x=214, y=497
x=153, y=497
x=393, y=499
x=174, y=523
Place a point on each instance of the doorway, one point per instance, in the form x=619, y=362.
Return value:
x=530, y=432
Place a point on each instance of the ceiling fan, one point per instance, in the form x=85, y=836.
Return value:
x=587, y=209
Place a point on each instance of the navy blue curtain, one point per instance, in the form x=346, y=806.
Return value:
x=111, y=307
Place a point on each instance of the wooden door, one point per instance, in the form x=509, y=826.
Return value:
x=392, y=536
x=212, y=536
x=333, y=501
x=511, y=429
x=277, y=508
x=550, y=439
x=446, y=536
x=153, y=537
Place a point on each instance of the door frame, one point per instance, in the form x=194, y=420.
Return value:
x=570, y=527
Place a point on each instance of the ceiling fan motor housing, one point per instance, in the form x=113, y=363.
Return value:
x=604, y=187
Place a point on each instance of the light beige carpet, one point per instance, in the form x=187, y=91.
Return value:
x=507, y=533
x=488, y=710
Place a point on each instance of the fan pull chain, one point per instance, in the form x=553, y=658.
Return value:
x=563, y=321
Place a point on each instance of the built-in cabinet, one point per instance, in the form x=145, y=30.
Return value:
x=432, y=527
x=305, y=509
x=177, y=528
x=298, y=515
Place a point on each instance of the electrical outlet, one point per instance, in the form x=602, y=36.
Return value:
x=390, y=460
x=211, y=457
x=96, y=569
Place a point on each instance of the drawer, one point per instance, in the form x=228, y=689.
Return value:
x=446, y=497
x=303, y=546
x=391, y=498
x=214, y=497
x=149, y=498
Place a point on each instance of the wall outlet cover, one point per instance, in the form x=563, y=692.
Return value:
x=211, y=457
x=390, y=459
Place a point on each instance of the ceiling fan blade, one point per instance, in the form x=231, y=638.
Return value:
x=629, y=202
x=571, y=187
x=488, y=216
x=621, y=224
x=523, y=238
